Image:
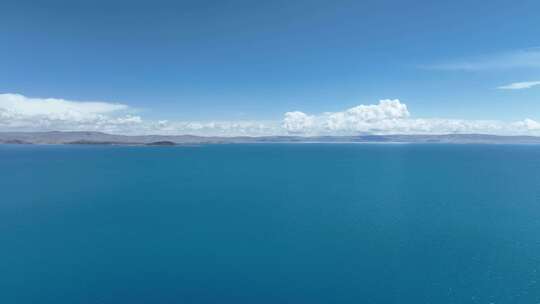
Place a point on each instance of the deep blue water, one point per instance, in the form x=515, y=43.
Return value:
x=270, y=224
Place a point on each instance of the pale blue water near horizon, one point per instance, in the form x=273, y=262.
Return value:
x=270, y=223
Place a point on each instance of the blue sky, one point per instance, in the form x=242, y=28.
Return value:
x=256, y=60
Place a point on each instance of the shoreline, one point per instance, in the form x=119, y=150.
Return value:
x=104, y=139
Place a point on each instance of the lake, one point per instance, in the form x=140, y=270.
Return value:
x=270, y=223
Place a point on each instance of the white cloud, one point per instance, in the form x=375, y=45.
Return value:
x=526, y=58
x=520, y=85
x=212, y=128
x=393, y=117
x=350, y=120
x=20, y=113
x=362, y=115
x=528, y=124
x=297, y=122
x=357, y=119
x=56, y=108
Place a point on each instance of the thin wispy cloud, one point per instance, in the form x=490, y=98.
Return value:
x=525, y=58
x=519, y=85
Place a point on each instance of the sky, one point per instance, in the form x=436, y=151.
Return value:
x=270, y=67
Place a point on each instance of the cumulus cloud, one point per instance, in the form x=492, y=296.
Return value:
x=393, y=117
x=358, y=118
x=20, y=113
x=55, y=108
x=520, y=85
x=362, y=115
x=525, y=58
x=361, y=118
x=528, y=125
x=297, y=122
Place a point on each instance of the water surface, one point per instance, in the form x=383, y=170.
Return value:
x=270, y=223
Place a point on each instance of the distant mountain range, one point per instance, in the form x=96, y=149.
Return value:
x=98, y=138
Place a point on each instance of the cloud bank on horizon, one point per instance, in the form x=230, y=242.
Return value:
x=21, y=113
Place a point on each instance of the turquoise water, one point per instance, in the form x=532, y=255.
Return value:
x=270, y=224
